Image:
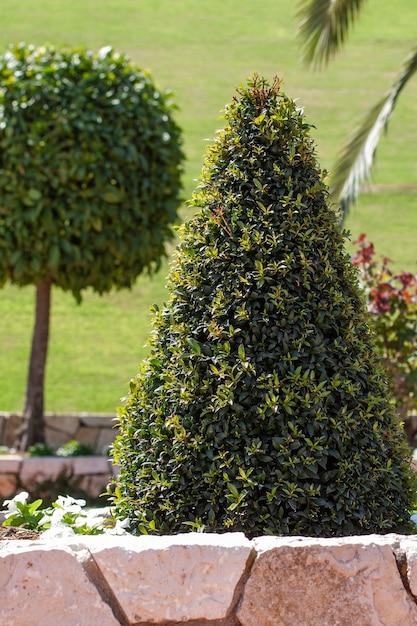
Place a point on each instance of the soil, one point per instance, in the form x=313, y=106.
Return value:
x=11, y=532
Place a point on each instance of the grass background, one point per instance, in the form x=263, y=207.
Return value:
x=202, y=49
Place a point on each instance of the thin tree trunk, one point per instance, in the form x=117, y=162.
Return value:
x=33, y=420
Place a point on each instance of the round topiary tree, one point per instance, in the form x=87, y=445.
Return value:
x=90, y=165
x=262, y=407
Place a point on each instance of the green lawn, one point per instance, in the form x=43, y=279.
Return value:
x=202, y=49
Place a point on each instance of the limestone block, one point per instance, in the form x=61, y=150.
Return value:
x=64, y=423
x=10, y=463
x=83, y=465
x=97, y=421
x=56, y=438
x=11, y=425
x=95, y=485
x=408, y=548
x=106, y=437
x=87, y=435
x=38, y=469
x=45, y=584
x=8, y=485
x=177, y=578
x=352, y=581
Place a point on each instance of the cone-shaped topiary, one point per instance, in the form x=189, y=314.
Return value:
x=262, y=407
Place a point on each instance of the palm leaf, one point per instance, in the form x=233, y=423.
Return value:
x=356, y=160
x=323, y=26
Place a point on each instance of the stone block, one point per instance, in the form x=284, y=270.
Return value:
x=64, y=423
x=56, y=438
x=8, y=485
x=106, y=436
x=408, y=549
x=97, y=421
x=10, y=463
x=12, y=423
x=85, y=465
x=38, y=469
x=46, y=584
x=180, y=578
x=352, y=581
x=94, y=486
x=88, y=436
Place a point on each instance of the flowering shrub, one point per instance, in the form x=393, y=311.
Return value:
x=64, y=518
x=392, y=302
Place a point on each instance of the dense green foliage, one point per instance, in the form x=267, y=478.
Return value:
x=263, y=406
x=89, y=169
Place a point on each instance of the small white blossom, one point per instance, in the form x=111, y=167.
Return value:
x=12, y=504
x=58, y=531
x=120, y=527
x=104, y=51
x=68, y=503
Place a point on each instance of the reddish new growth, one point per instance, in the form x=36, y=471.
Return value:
x=219, y=217
x=386, y=290
x=392, y=301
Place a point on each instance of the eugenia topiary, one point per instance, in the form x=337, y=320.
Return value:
x=262, y=407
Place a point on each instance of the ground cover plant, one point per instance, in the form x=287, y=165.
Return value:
x=90, y=166
x=201, y=50
x=263, y=406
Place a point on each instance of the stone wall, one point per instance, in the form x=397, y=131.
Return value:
x=48, y=476
x=95, y=430
x=207, y=579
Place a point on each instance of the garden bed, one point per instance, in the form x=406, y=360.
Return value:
x=199, y=578
x=43, y=476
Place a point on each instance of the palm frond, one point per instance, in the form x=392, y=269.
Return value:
x=323, y=26
x=355, y=163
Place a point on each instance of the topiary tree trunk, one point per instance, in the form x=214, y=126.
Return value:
x=263, y=407
x=33, y=430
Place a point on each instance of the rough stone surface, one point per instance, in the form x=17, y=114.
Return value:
x=351, y=581
x=408, y=548
x=179, y=578
x=97, y=430
x=56, y=438
x=90, y=465
x=97, y=421
x=87, y=435
x=10, y=463
x=94, y=485
x=38, y=469
x=67, y=424
x=46, y=585
x=105, y=439
x=8, y=485
x=12, y=423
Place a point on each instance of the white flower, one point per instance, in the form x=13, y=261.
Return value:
x=166, y=137
x=12, y=504
x=70, y=505
x=58, y=531
x=103, y=52
x=120, y=527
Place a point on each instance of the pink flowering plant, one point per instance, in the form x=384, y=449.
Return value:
x=392, y=302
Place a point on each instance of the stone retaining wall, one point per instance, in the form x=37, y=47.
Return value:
x=80, y=475
x=195, y=579
x=95, y=430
